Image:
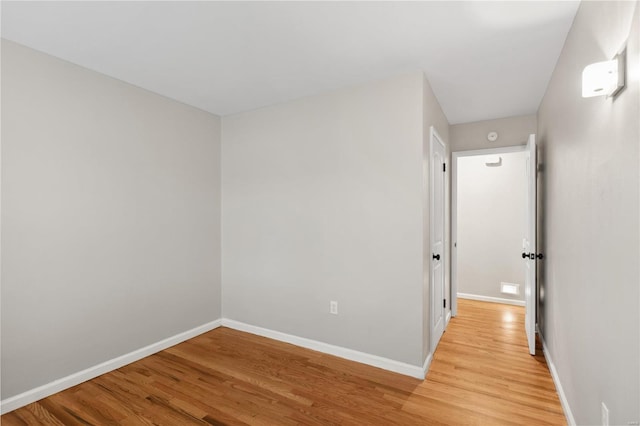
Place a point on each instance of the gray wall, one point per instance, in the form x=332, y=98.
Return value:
x=322, y=200
x=491, y=224
x=590, y=200
x=110, y=218
x=511, y=131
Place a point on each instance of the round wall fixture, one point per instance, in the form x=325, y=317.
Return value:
x=492, y=136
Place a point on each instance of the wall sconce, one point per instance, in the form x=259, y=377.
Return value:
x=604, y=78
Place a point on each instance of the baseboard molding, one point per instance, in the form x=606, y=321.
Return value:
x=448, y=319
x=556, y=381
x=74, y=379
x=350, y=354
x=427, y=364
x=491, y=299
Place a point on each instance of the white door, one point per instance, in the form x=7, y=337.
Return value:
x=437, y=237
x=529, y=248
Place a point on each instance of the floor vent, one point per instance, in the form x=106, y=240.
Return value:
x=510, y=288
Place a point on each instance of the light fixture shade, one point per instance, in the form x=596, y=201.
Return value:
x=603, y=78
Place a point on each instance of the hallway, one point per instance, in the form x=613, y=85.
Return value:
x=481, y=374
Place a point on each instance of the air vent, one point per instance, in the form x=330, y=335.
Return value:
x=510, y=288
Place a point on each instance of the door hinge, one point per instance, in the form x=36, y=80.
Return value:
x=444, y=303
x=444, y=167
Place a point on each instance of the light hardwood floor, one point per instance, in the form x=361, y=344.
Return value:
x=481, y=374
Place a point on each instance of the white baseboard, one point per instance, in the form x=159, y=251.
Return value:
x=350, y=354
x=556, y=380
x=74, y=379
x=448, y=319
x=491, y=299
x=427, y=364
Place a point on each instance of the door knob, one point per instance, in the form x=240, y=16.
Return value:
x=539, y=256
x=529, y=256
x=436, y=256
x=525, y=255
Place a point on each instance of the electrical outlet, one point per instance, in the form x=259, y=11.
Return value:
x=605, y=415
x=333, y=307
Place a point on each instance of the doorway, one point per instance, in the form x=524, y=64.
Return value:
x=491, y=226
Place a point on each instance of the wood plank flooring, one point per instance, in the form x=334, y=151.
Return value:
x=481, y=374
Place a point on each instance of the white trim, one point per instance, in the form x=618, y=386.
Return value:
x=448, y=319
x=427, y=365
x=350, y=354
x=490, y=299
x=74, y=379
x=454, y=210
x=556, y=381
x=453, y=282
x=491, y=151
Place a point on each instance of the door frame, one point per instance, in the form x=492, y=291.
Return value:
x=454, y=209
x=434, y=138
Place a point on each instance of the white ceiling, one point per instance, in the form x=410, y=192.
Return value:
x=484, y=59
